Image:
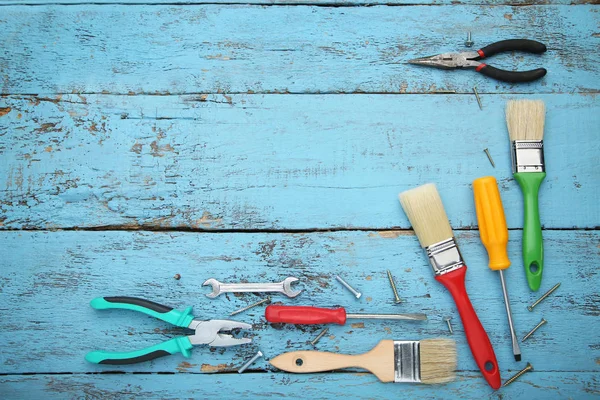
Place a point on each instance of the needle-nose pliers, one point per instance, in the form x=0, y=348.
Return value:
x=471, y=59
x=206, y=332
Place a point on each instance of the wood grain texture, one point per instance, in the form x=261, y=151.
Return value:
x=48, y=278
x=297, y=49
x=534, y=386
x=338, y=3
x=219, y=162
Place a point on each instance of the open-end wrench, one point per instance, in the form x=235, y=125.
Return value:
x=284, y=287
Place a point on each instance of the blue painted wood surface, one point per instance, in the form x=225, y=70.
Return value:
x=224, y=162
x=296, y=49
x=177, y=121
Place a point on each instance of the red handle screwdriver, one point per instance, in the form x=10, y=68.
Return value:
x=305, y=315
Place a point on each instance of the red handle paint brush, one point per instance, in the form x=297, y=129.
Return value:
x=426, y=213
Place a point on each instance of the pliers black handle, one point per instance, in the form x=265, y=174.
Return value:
x=525, y=45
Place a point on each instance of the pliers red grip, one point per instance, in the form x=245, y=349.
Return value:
x=471, y=59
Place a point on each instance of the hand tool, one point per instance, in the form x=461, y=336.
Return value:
x=355, y=292
x=305, y=315
x=425, y=210
x=284, y=287
x=258, y=303
x=429, y=361
x=548, y=293
x=393, y=285
x=516, y=376
x=471, y=59
x=494, y=236
x=525, y=120
x=531, y=332
x=208, y=332
x=250, y=362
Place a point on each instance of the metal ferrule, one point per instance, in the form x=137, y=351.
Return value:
x=444, y=256
x=527, y=156
x=407, y=359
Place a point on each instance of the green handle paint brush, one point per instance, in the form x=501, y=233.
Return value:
x=525, y=120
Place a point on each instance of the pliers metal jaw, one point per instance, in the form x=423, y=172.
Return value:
x=466, y=59
x=214, y=333
x=472, y=59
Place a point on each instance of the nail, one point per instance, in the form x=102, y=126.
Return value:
x=542, y=322
x=548, y=293
x=393, y=284
x=249, y=363
x=355, y=292
x=513, y=378
x=258, y=303
x=316, y=340
x=489, y=156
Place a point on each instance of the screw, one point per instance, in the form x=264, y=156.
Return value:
x=447, y=319
x=391, y=278
x=249, y=363
x=315, y=340
x=258, y=303
x=516, y=376
x=477, y=97
x=489, y=156
x=469, y=42
x=548, y=293
x=542, y=322
x=347, y=286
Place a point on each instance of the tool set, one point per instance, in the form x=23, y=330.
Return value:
x=494, y=236
x=427, y=361
x=306, y=315
x=471, y=59
x=284, y=287
x=211, y=332
x=426, y=213
x=525, y=120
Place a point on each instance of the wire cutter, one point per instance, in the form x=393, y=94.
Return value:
x=206, y=332
x=470, y=59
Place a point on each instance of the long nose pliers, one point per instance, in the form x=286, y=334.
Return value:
x=471, y=59
x=206, y=332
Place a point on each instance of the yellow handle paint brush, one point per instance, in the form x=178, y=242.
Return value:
x=494, y=236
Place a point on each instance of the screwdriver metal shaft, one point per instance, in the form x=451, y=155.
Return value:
x=412, y=317
x=494, y=236
x=513, y=335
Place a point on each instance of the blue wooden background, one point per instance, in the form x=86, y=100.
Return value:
x=141, y=139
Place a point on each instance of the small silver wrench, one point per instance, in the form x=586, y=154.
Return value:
x=284, y=287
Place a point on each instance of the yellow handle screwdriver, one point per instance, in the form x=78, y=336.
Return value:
x=494, y=236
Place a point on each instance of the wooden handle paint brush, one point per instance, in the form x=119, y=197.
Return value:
x=428, y=361
x=525, y=120
x=426, y=213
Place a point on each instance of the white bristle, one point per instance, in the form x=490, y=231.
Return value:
x=438, y=361
x=426, y=213
x=525, y=119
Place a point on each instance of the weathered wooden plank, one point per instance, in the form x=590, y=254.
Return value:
x=346, y=3
x=278, y=162
x=48, y=278
x=298, y=49
x=534, y=386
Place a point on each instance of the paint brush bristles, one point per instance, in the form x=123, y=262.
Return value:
x=426, y=214
x=525, y=119
x=438, y=360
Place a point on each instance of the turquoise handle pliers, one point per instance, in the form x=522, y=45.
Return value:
x=205, y=332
